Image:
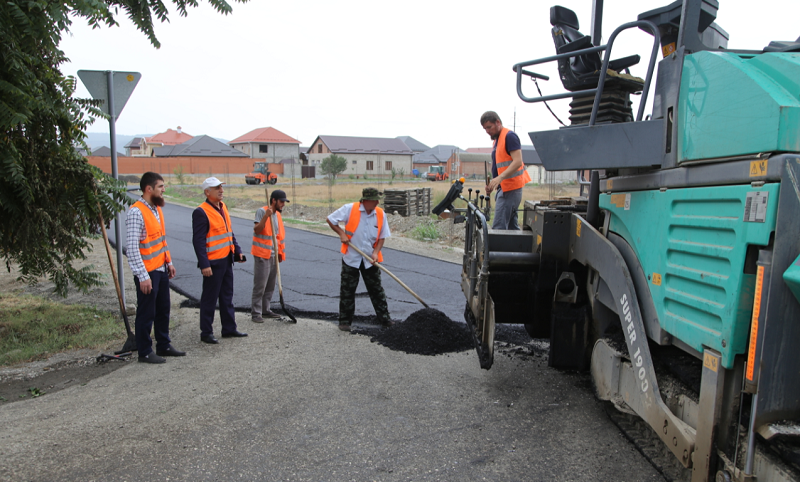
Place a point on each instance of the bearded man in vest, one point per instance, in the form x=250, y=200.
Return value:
x=366, y=228
x=508, y=172
x=263, y=255
x=151, y=265
x=216, y=249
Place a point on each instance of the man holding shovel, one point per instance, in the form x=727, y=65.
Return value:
x=366, y=227
x=151, y=264
x=264, y=263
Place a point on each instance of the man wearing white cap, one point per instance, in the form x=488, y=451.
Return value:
x=216, y=249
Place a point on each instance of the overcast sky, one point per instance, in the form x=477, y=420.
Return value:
x=426, y=69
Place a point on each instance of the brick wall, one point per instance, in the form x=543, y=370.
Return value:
x=217, y=166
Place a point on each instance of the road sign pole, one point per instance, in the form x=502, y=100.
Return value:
x=112, y=124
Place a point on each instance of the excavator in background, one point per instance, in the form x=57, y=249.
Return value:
x=675, y=280
x=260, y=175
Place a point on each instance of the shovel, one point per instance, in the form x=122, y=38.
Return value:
x=274, y=223
x=130, y=343
x=380, y=266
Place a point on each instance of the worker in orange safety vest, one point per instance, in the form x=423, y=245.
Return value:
x=264, y=269
x=151, y=265
x=366, y=228
x=508, y=172
x=216, y=249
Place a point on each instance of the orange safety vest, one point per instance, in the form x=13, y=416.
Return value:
x=262, y=242
x=503, y=160
x=153, y=249
x=352, y=225
x=219, y=240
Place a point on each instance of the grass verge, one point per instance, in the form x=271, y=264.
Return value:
x=33, y=328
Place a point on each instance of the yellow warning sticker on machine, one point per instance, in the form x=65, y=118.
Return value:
x=656, y=279
x=538, y=240
x=578, y=228
x=758, y=168
x=618, y=200
x=710, y=362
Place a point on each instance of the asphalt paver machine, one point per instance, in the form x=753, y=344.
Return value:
x=676, y=279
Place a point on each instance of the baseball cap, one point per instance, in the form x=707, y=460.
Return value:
x=211, y=182
x=371, y=194
x=279, y=195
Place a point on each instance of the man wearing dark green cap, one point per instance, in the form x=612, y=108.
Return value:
x=366, y=228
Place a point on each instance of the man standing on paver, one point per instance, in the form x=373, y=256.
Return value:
x=216, y=249
x=366, y=228
x=264, y=269
x=151, y=264
x=508, y=172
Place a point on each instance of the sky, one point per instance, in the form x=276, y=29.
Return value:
x=425, y=69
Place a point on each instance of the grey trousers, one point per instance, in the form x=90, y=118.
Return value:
x=505, y=209
x=263, y=285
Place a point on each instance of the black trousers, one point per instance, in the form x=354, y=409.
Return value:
x=218, y=288
x=152, y=313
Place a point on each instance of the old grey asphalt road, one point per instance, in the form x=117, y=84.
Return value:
x=311, y=273
x=307, y=402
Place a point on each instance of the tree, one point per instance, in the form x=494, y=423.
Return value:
x=332, y=166
x=51, y=197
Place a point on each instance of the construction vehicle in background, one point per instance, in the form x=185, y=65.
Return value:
x=436, y=173
x=676, y=280
x=260, y=175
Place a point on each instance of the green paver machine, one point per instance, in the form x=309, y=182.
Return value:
x=676, y=280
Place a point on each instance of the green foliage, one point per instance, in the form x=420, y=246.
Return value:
x=52, y=198
x=426, y=230
x=332, y=166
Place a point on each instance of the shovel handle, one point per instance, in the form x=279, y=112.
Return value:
x=380, y=266
x=113, y=271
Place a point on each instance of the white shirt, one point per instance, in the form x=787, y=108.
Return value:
x=366, y=233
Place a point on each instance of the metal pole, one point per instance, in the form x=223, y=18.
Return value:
x=112, y=121
x=597, y=22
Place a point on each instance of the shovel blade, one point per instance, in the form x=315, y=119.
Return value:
x=129, y=346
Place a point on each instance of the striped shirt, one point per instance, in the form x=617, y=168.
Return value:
x=136, y=234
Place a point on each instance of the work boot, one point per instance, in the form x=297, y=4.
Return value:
x=271, y=314
x=258, y=319
x=344, y=327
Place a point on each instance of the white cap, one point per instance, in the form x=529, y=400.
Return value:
x=211, y=182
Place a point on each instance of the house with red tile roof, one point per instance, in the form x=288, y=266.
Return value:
x=267, y=143
x=168, y=138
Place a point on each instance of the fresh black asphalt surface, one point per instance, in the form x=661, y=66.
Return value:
x=310, y=274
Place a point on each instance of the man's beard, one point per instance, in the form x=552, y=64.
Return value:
x=157, y=201
x=494, y=138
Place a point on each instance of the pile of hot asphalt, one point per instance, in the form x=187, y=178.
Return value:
x=426, y=332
